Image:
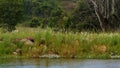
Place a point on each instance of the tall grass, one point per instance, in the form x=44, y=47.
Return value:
x=67, y=44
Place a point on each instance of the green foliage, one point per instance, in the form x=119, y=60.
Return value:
x=48, y=13
x=34, y=22
x=11, y=13
x=6, y=46
x=82, y=18
x=72, y=15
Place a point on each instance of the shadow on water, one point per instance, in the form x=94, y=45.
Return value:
x=59, y=63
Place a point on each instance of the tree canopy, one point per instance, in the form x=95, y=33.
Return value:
x=11, y=13
x=75, y=15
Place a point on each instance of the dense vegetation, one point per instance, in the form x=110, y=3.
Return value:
x=65, y=45
x=67, y=28
x=76, y=15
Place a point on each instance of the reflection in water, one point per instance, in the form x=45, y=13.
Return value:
x=58, y=63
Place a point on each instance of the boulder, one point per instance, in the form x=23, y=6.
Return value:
x=17, y=52
x=28, y=41
x=23, y=40
x=31, y=39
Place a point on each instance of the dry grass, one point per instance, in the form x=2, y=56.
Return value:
x=68, y=44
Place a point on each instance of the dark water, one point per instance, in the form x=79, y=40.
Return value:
x=58, y=63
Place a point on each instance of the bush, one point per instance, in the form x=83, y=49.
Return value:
x=34, y=22
x=11, y=13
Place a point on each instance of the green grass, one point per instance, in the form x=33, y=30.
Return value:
x=67, y=45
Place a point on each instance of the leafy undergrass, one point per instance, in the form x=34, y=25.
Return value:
x=67, y=44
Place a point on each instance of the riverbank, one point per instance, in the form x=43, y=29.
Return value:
x=37, y=42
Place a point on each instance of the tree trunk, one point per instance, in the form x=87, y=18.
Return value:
x=113, y=7
x=99, y=15
x=104, y=9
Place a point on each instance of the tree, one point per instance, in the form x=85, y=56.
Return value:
x=11, y=13
x=81, y=18
x=105, y=10
x=48, y=11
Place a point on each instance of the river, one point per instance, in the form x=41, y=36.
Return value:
x=59, y=63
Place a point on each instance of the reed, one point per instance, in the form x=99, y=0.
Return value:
x=65, y=44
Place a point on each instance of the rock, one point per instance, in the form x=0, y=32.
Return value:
x=115, y=57
x=28, y=41
x=18, y=50
x=50, y=56
x=15, y=53
x=31, y=39
x=113, y=53
x=23, y=40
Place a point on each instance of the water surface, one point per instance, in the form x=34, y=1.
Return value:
x=59, y=63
